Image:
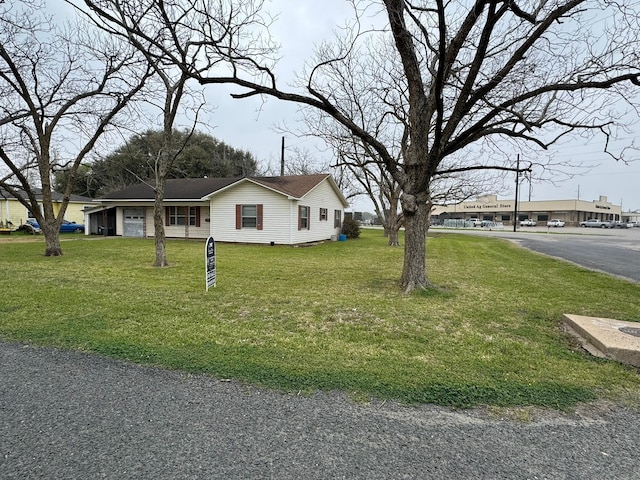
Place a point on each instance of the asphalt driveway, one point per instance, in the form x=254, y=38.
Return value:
x=73, y=415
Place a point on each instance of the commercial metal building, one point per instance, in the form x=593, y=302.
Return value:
x=488, y=207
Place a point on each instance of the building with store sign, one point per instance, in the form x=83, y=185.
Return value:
x=490, y=208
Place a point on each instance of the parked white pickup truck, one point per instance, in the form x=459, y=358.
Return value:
x=593, y=223
x=554, y=222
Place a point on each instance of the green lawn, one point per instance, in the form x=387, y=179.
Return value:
x=328, y=317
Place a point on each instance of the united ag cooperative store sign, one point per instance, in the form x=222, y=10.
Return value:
x=210, y=262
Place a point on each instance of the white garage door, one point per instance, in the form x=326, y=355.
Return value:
x=133, y=222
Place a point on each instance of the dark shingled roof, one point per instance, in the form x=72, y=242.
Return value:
x=175, y=189
x=196, y=188
x=57, y=197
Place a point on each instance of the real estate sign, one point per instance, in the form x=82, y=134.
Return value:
x=210, y=262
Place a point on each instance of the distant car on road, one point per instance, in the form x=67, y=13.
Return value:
x=555, y=223
x=619, y=225
x=65, y=227
x=528, y=223
x=593, y=223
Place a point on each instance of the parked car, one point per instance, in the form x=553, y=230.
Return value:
x=554, y=222
x=593, y=223
x=65, y=227
x=476, y=222
x=619, y=225
x=633, y=224
x=528, y=223
x=31, y=227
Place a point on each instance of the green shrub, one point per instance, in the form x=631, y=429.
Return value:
x=351, y=228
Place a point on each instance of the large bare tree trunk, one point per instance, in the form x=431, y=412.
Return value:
x=416, y=224
x=49, y=225
x=51, y=240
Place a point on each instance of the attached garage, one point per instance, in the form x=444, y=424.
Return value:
x=133, y=224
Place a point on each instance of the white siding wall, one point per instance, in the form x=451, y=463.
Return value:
x=275, y=220
x=149, y=230
x=322, y=196
x=120, y=220
x=180, y=231
x=280, y=215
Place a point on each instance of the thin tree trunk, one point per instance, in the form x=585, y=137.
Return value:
x=393, y=223
x=158, y=226
x=392, y=228
x=393, y=238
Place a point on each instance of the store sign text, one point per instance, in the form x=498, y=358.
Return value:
x=488, y=206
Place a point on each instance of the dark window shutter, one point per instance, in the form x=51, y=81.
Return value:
x=308, y=218
x=197, y=216
x=167, y=216
x=238, y=217
x=259, y=219
x=299, y=217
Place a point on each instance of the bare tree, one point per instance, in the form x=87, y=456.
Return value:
x=62, y=88
x=169, y=94
x=138, y=23
x=473, y=71
x=372, y=89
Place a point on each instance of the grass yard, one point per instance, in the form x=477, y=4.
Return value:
x=328, y=317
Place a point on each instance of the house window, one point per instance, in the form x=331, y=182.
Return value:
x=323, y=214
x=249, y=216
x=182, y=216
x=303, y=218
x=337, y=219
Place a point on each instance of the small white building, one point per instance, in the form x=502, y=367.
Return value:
x=270, y=210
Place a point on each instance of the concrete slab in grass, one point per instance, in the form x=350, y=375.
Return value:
x=608, y=338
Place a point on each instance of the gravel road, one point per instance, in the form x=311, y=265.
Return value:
x=75, y=415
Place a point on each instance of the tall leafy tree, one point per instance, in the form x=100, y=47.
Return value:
x=197, y=155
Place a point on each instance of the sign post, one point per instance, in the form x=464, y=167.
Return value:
x=210, y=262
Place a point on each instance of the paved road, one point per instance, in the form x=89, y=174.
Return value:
x=616, y=251
x=71, y=415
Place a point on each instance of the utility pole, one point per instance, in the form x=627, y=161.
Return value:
x=515, y=210
x=282, y=158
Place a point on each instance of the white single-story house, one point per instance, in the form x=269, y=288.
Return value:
x=285, y=210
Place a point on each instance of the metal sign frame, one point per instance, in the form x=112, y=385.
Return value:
x=210, y=262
